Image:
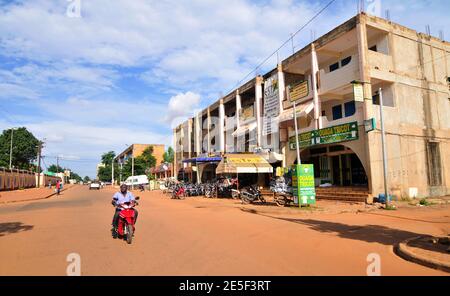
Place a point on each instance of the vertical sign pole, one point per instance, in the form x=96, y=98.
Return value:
x=383, y=145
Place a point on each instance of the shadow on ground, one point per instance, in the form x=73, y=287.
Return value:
x=368, y=233
x=13, y=227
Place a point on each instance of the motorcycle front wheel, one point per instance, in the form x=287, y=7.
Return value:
x=129, y=233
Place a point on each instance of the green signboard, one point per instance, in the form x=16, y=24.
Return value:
x=329, y=135
x=303, y=184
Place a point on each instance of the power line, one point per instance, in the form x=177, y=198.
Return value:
x=284, y=43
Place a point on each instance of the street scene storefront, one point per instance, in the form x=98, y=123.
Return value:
x=331, y=93
x=334, y=164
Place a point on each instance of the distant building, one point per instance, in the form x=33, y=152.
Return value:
x=136, y=150
x=335, y=81
x=100, y=165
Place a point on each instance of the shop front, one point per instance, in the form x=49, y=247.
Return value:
x=249, y=169
x=203, y=169
x=337, y=154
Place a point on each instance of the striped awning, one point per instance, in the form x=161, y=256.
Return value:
x=243, y=163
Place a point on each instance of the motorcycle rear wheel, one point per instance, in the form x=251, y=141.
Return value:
x=280, y=200
x=130, y=231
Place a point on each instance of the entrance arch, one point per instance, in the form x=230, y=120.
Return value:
x=336, y=164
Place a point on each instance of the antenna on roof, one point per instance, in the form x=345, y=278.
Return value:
x=313, y=35
x=388, y=14
x=428, y=30
x=441, y=35
x=362, y=6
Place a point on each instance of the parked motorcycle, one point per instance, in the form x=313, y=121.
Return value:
x=179, y=192
x=251, y=194
x=282, y=192
x=126, y=228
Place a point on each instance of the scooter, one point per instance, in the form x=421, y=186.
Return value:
x=126, y=228
x=251, y=194
x=179, y=192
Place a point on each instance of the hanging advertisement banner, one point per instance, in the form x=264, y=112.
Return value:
x=303, y=184
x=358, y=92
x=335, y=134
x=298, y=91
x=271, y=103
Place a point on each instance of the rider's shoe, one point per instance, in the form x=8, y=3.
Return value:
x=114, y=232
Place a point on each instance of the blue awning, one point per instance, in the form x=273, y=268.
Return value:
x=202, y=159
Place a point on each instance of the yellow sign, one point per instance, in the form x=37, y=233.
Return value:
x=247, y=113
x=299, y=91
x=358, y=92
x=246, y=160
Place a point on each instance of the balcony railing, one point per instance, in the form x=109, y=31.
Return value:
x=340, y=77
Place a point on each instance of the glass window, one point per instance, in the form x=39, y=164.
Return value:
x=337, y=112
x=346, y=61
x=376, y=99
x=434, y=164
x=349, y=108
x=334, y=67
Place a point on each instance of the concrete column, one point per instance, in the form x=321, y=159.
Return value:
x=198, y=142
x=364, y=68
x=208, y=119
x=189, y=137
x=221, y=127
x=238, y=108
x=314, y=73
x=281, y=86
x=373, y=174
x=175, y=146
x=258, y=101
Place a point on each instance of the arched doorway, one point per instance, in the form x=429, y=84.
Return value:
x=209, y=172
x=337, y=165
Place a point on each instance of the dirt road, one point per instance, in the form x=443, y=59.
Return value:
x=204, y=237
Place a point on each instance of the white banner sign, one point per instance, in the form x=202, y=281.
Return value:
x=271, y=103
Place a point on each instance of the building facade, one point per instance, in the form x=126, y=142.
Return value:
x=136, y=150
x=342, y=74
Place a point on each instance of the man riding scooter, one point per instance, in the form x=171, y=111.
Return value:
x=119, y=198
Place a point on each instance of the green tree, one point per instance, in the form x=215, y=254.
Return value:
x=24, y=149
x=147, y=157
x=108, y=157
x=55, y=169
x=86, y=179
x=104, y=173
x=75, y=176
x=168, y=155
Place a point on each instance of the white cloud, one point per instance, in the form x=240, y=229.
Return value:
x=10, y=91
x=191, y=51
x=181, y=106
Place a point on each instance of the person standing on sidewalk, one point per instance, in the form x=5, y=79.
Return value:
x=58, y=187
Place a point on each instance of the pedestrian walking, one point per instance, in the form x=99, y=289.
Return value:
x=58, y=187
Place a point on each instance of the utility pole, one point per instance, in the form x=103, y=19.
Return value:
x=120, y=177
x=112, y=172
x=10, y=149
x=383, y=146
x=132, y=170
x=39, y=164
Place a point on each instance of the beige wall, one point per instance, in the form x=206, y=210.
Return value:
x=420, y=111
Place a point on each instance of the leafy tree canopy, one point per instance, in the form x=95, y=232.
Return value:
x=24, y=148
x=168, y=155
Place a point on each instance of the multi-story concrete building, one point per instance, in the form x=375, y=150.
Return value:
x=136, y=150
x=412, y=71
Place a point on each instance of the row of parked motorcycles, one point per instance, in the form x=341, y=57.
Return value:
x=222, y=188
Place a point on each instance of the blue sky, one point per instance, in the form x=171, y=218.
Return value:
x=127, y=71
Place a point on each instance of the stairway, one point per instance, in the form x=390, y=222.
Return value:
x=348, y=194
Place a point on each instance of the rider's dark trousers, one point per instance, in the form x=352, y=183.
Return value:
x=115, y=221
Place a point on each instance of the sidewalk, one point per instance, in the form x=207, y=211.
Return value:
x=28, y=194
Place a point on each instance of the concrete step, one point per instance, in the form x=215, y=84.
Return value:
x=359, y=198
